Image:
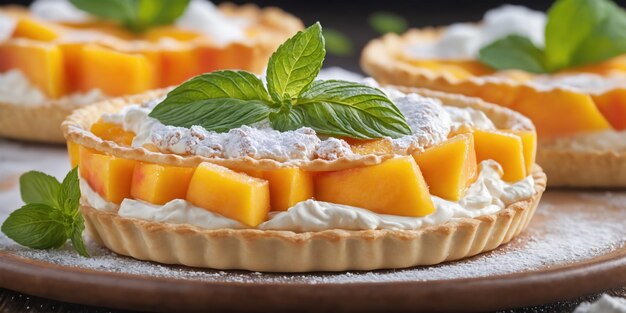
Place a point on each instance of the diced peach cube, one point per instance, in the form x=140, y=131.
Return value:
x=394, y=187
x=450, y=167
x=113, y=132
x=42, y=63
x=288, y=186
x=529, y=144
x=73, y=153
x=505, y=148
x=115, y=73
x=27, y=27
x=231, y=194
x=109, y=176
x=160, y=184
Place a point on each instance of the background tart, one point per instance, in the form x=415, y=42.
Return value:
x=328, y=250
x=387, y=61
x=116, y=62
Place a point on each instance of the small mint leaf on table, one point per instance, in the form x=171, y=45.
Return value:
x=513, y=52
x=296, y=63
x=387, y=22
x=37, y=187
x=36, y=226
x=50, y=216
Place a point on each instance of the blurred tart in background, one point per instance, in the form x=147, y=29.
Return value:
x=55, y=57
x=565, y=70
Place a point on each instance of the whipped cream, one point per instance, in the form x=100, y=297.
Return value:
x=584, y=82
x=487, y=195
x=15, y=88
x=431, y=122
x=203, y=17
x=58, y=11
x=464, y=40
x=7, y=26
x=608, y=140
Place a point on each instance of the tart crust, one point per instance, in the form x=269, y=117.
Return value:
x=41, y=123
x=286, y=251
x=382, y=59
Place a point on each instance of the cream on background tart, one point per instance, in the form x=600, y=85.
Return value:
x=294, y=174
x=573, y=87
x=55, y=58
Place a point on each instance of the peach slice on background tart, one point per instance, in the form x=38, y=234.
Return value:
x=578, y=110
x=67, y=64
x=296, y=174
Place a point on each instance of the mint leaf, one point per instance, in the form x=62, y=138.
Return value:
x=50, y=215
x=37, y=226
x=337, y=43
x=69, y=195
x=136, y=15
x=387, y=22
x=564, y=17
x=220, y=115
x=513, y=52
x=77, y=236
x=345, y=109
x=221, y=84
x=607, y=40
x=38, y=187
x=295, y=64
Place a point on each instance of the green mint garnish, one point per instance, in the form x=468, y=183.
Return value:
x=387, y=22
x=578, y=33
x=50, y=215
x=223, y=100
x=136, y=15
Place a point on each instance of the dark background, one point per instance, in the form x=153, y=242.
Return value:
x=350, y=17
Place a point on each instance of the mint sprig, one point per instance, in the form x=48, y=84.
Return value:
x=136, y=15
x=50, y=215
x=223, y=100
x=578, y=33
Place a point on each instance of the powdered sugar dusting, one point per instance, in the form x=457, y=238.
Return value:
x=568, y=227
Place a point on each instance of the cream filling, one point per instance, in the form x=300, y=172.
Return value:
x=7, y=26
x=464, y=40
x=431, y=122
x=487, y=195
x=15, y=88
x=609, y=140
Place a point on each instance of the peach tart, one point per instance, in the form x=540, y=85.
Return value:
x=55, y=58
x=520, y=59
x=293, y=174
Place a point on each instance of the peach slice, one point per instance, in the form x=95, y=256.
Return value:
x=156, y=34
x=42, y=63
x=288, y=186
x=231, y=194
x=394, y=187
x=529, y=144
x=32, y=29
x=612, y=104
x=450, y=167
x=101, y=68
x=73, y=153
x=109, y=176
x=113, y=132
x=505, y=148
x=71, y=59
x=160, y=184
x=374, y=146
x=178, y=65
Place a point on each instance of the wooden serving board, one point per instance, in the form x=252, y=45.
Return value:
x=574, y=246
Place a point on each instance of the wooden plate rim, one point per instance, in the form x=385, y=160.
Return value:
x=134, y=292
